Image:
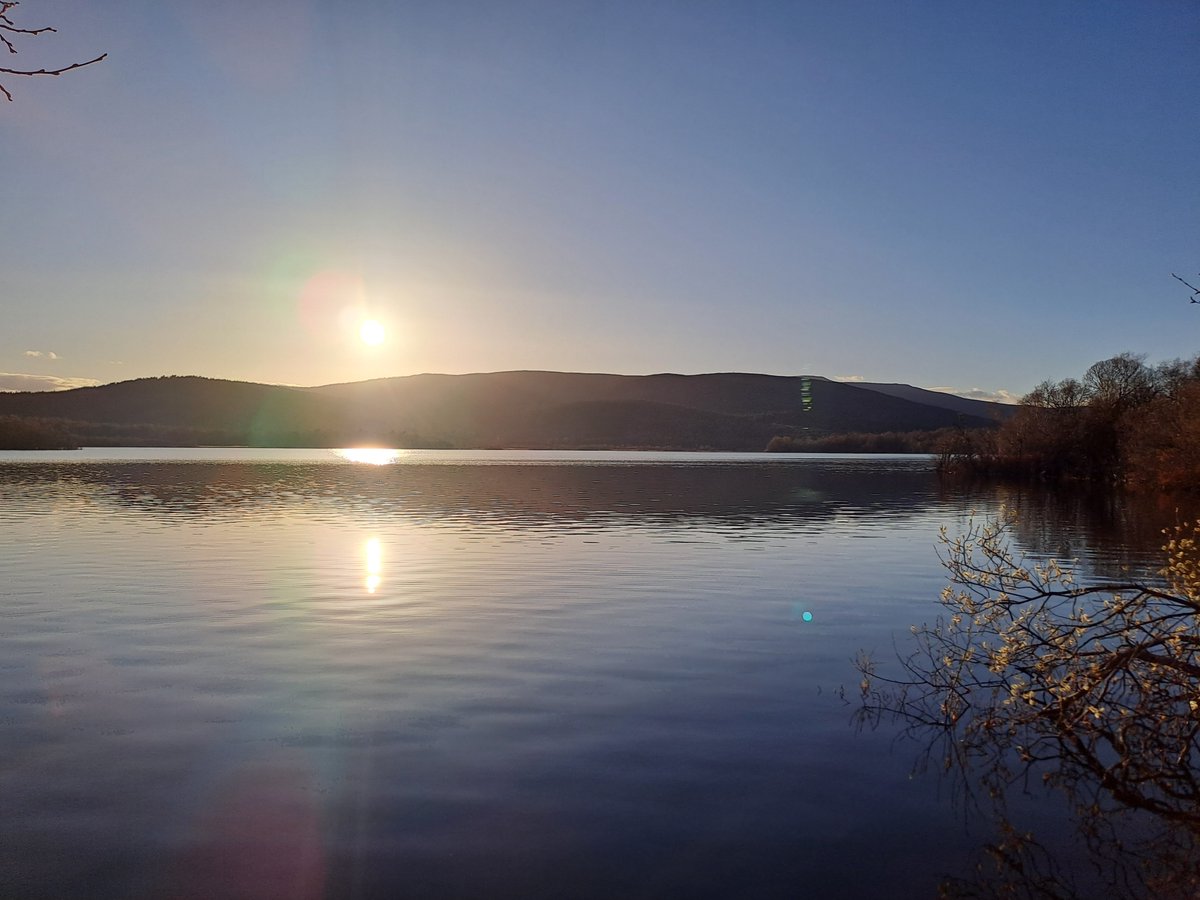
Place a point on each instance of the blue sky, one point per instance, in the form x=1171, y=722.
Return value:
x=950, y=194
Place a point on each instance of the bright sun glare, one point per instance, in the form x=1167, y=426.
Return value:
x=372, y=333
x=374, y=553
x=372, y=456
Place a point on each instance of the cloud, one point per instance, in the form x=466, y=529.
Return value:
x=44, y=354
x=996, y=396
x=849, y=378
x=12, y=381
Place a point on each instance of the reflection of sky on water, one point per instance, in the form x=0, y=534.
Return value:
x=558, y=667
x=546, y=495
x=549, y=498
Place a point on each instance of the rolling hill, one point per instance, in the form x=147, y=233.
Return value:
x=525, y=409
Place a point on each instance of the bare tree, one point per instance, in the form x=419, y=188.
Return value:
x=11, y=32
x=1090, y=690
x=1120, y=383
x=1065, y=394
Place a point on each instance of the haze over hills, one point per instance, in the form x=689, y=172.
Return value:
x=522, y=409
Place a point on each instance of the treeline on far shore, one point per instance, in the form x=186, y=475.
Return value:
x=1124, y=422
x=28, y=433
x=867, y=442
x=32, y=433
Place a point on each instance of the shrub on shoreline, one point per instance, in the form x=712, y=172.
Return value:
x=866, y=442
x=1124, y=422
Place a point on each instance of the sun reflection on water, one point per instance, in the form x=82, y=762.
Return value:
x=373, y=550
x=374, y=456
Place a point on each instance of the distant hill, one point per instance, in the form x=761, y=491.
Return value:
x=558, y=410
x=981, y=408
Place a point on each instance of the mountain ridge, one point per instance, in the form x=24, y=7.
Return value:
x=517, y=409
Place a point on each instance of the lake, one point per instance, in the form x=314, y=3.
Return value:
x=493, y=674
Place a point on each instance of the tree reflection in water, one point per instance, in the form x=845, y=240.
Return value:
x=1027, y=679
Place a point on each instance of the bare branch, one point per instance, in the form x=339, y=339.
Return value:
x=1096, y=689
x=1195, y=290
x=8, y=24
x=9, y=27
x=78, y=65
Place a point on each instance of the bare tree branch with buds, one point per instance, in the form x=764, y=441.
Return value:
x=1090, y=690
x=11, y=32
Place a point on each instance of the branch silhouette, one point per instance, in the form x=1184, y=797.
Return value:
x=1195, y=290
x=8, y=28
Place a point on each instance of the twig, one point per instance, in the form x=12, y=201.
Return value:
x=1195, y=290
x=79, y=65
x=8, y=27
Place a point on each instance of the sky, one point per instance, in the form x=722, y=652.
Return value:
x=973, y=196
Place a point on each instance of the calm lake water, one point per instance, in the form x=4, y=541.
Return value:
x=285, y=673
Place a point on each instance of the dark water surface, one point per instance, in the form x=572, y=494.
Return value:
x=281, y=673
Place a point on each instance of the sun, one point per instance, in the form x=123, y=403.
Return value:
x=372, y=333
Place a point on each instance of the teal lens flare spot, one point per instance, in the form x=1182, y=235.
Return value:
x=807, y=616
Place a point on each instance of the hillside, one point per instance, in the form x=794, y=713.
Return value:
x=722, y=411
x=980, y=408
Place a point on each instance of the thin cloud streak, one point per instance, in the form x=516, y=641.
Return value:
x=15, y=381
x=997, y=396
x=42, y=354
